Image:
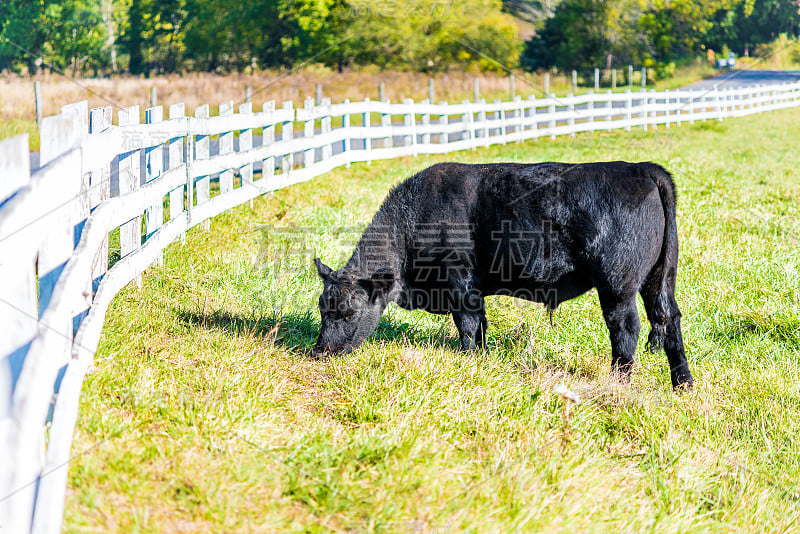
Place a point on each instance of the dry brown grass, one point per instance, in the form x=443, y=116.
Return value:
x=17, y=103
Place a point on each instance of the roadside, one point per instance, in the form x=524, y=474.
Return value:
x=743, y=78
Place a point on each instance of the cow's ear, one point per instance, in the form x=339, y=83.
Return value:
x=325, y=272
x=379, y=283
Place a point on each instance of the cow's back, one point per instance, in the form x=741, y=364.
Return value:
x=538, y=227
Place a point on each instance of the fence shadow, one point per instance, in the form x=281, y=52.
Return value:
x=297, y=332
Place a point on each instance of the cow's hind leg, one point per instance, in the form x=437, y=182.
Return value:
x=666, y=330
x=622, y=320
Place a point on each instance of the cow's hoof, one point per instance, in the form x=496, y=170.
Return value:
x=683, y=387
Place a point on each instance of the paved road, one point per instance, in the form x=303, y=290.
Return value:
x=742, y=78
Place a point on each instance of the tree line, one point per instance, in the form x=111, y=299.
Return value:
x=146, y=36
x=583, y=34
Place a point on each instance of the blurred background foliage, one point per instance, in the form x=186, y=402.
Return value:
x=97, y=37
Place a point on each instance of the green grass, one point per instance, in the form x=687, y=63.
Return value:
x=205, y=414
x=14, y=127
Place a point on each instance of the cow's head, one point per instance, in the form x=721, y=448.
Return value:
x=350, y=308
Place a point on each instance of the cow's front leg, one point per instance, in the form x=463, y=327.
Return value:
x=471, y=329
x=470, y=319
x=622, y=320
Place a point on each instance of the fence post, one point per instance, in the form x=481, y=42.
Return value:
x=100, y=182
x=381, y=95
x=153, y=97
x=154, y=159
x=308, y=133
x=628, y=106
x=482, y=121
x=500, y=114
x=287, y=135
x=82, y=207
x=532, y=115
x=318, y=94
x=226, y=147
x=62, y=133
x=610, y=107
x=410, y=121
x=174, y=159
x=630, y=75
x=386, y=124
x=327, y=126
x=37, y=102
x=267, y=138
x=444, y=137
x=18, y=315
x=202, y=150
x=644, y=76
x=346, y=126
x=733, y=101
x=574, y=82
x=365, y=121
x=613, y=78
x=590, y=106
x=643, y=104
x=666, y=108
x=571, y=117
x=25, y=445
x=728, y=99
x=511, y=88
x=248, y=94
x=245, y=144
x=130, y=233
x=653, y=109
x=547, y=83
x=475, y=90
x=551, y=111
x=189, y=158
x=466, y=118
x=430, y=90
x=426, y=122
x=596, y=79
x=520, y=116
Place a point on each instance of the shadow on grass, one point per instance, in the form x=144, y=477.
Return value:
x=780, y=329
x=297, y=332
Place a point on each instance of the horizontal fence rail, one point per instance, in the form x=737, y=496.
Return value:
x=142, y=185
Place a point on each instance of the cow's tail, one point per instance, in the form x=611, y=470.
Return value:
x=660, y=290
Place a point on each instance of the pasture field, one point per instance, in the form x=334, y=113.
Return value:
x=206, y=414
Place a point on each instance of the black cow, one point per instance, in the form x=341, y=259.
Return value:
x=453, y=234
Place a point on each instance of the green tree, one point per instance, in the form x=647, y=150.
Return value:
x=21, y=32
x=752, y=22
x=584, y=34
x=676, y=28
x=433, y=35
x=76, y=35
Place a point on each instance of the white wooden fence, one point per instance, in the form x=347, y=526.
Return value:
x=144, y=185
